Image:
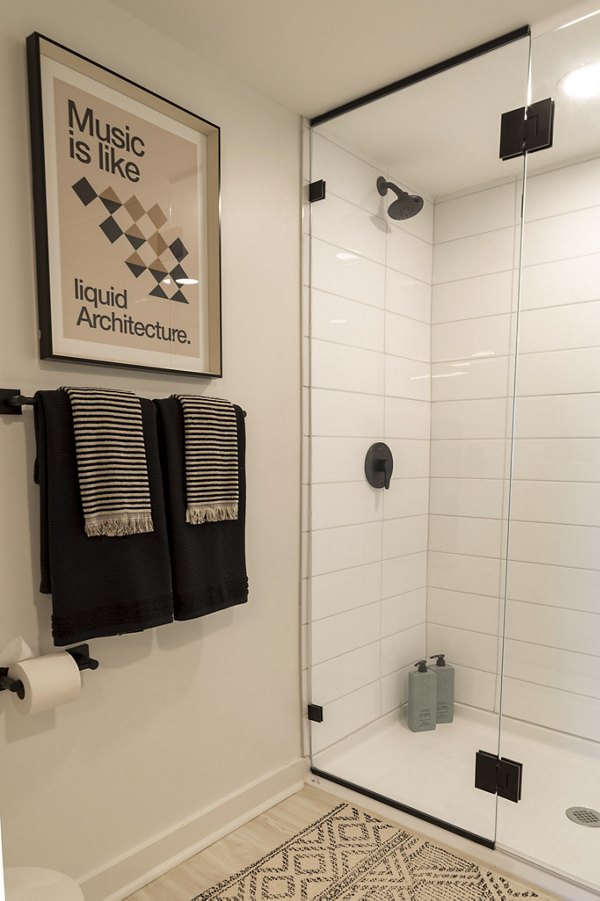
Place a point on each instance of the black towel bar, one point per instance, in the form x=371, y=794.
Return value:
x=12, y=402
x=80, y=654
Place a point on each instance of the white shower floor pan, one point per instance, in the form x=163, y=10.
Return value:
x=434, y=772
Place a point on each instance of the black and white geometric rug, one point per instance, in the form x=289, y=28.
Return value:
x=350, y=855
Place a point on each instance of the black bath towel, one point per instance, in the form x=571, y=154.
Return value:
x=101, y=585
x=208, y=560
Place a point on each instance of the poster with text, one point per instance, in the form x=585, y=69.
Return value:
x=130, y=194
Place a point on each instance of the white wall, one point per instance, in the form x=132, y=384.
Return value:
x=369, y=381
x=178, y=718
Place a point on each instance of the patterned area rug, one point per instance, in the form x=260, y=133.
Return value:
x=349, y=855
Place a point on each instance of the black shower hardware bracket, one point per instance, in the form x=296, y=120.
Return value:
x=317, y=190
x=527, y=129
x=379, y=465
x=315, y=713
x=499, y=775
x=80, y=654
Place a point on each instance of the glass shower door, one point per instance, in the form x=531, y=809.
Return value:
x=551, y=684
x=412, y=344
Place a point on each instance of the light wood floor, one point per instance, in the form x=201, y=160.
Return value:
x=240, y=848
x=247, y=844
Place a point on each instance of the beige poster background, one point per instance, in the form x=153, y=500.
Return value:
x=128, y=191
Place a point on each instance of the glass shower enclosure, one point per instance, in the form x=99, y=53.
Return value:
x=455, y=318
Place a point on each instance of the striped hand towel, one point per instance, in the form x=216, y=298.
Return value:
x=211, y=458
x=111, y=461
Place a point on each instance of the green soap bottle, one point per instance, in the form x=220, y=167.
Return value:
x=445, y=688
x=422, y=698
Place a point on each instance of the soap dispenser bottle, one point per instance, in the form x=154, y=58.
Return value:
x=422, y=698
x=445, y=688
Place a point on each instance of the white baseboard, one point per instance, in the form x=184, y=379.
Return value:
x=130, y=872
x=504, y=862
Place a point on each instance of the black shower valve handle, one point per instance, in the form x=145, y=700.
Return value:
x=383, y=465
x=379, y=465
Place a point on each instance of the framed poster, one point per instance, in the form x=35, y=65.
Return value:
x=126, y=202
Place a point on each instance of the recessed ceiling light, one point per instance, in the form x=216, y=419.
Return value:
x=583, y=81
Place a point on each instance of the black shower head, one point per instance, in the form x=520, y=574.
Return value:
x=405, y=206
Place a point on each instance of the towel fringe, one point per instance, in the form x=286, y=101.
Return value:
x=197, y=514
x=115, y=527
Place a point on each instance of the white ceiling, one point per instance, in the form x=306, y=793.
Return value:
x=441, y=135
x=312, y=55
x=437, y=137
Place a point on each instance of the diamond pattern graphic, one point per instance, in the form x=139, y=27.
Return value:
x=178, y=250
x=110, y=200
x=111, y=229
x=136, y=264
x=157, y=216
x=134, y=208
x=157, y=243
x=158, y=270
x=135, y=236
x=141, y=229
x=84, y=191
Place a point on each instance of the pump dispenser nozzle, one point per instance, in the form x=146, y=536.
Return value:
x=422, y=698
x=444, y=673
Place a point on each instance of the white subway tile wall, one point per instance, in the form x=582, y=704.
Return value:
x=413, y=342
x=370, y=380
x=472, y=306
x=551, y=659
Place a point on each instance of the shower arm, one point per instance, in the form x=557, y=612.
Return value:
x=384, y=186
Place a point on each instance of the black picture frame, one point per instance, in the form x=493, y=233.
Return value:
x=116, y=272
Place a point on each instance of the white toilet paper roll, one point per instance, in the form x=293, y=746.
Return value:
x=49, y=681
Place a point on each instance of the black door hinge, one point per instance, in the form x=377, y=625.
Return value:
x=316, y=190
x=527, y=129
x=498, y=775
x=315, y=713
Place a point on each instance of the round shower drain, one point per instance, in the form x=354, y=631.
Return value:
x=584, y=816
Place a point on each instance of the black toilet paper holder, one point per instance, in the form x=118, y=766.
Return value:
x=80, y=654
